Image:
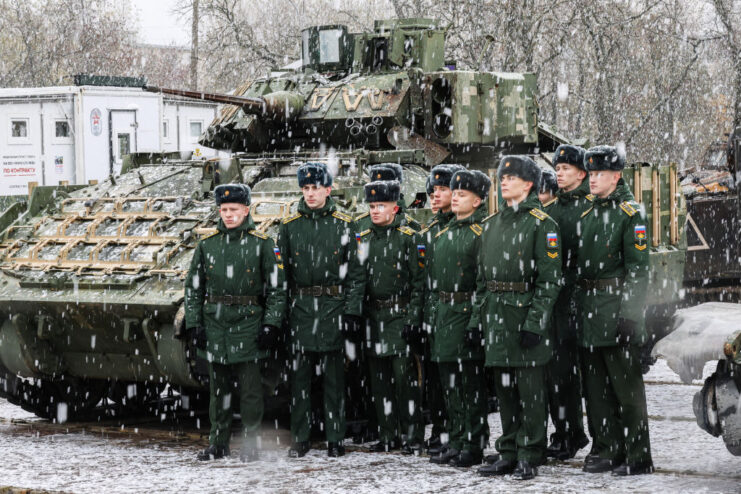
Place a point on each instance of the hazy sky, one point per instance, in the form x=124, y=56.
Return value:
x=159, y=25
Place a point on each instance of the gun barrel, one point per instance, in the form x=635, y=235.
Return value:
x=249, y=104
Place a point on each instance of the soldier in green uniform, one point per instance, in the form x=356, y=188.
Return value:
x=548, y=188
x=610, y=295
x=519, y=268
x=326, y=284
x=234, y=304
x=438, y=187
x=394, y=263
x=453, y=270
x=386, y=172
x=564, y=371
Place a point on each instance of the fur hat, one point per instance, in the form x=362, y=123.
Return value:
x=548, y=181
x=314, y=174
x=473, y=180
x=428, y=186
x=441, y=175
x=571, y=155
x=382, y=191
x=386, y=171
x=238, y=193
x=520, y=166
x=604, y=158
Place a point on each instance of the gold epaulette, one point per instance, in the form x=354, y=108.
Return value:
x=364, y=215
x=538, y=213
x=342, y=216
x=291, y=218
x=258, y=234
x=550, y=202
x=628, y=208
x=408, y=218
x=590, y=197
x=425, y=230
x=442, y=231
x=476, y=228
x=210, y=235
x=364, y=232
x=406, y=230
x=586, y=212
x=489, y=217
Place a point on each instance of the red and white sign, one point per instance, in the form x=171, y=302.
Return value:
x=16, y=172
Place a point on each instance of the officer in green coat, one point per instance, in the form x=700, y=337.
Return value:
x=564, y=371
x=326, y=284
x=453, y=271
x=394, y=264
x=386, y=172
x=610, y=295
x=234, y=304
x=438, y=188
x=519, y=266
x=547, y=189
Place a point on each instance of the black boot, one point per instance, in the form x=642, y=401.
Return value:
x=499, y=467
x=558, y=449
x=444, y=456
x=600, y=465
x=411, y=448
x=593, y=455
x=213, y=453
x=524, y=471
x=384, y=446
x=433, y=445
x=335, y=449
x=465, y=459
x=489, y=459
x=640, y=468
x=299, y=449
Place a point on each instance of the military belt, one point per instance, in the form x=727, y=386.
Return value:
x=455, y=297
x=508, y=286
x=319, y=290
x=234, y=299
x=389, y=303
x=600, y=284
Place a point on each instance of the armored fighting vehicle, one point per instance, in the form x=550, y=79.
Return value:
x=91, y=278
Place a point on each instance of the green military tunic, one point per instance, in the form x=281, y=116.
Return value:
x=325, y=280
x=519, y=267
x=452, y=270
x=239, y=262
x=394, y=263
x=613, y=266
x=564, y=371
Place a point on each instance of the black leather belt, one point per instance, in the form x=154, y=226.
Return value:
x=390, y=303
x=508, y=286
x=455, y=297
x=234, y=299
x=600, y=284
x=319, y=290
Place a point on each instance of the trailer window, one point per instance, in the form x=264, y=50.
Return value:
x=165, y=129
x=19, y=128
x=196, y=129
x=61, y=128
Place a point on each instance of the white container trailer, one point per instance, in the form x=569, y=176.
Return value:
x=76, y=134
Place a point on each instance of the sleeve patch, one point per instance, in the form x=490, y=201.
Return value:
x=552, y=255
x=476, y=228
x=342, y=216
x=406, y=230
x=628, y=208
x=258, y=234
x=551, y=240
x=541, y=215
x=640, y=236
x=278, y=257
x=291, y=218
x=421, y=251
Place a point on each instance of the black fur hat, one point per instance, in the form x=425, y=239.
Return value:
x=382, y=191
x=428, y=186
x=314, y=174
x=473, y=180
x=386, y=171
x=604, y=158
x=571, y=155
x=520, y=166
x=238, y=193
x=441, y=175
x=548, y=181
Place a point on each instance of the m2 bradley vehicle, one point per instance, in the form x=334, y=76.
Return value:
x=91, y=278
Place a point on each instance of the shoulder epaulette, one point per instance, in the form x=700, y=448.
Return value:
x=540, y=214
x=259, y=234
x=364, y=232
x=427, y=229
x=364, y=215
x=476, y=228
x=442, y=231
x=210, y=235
x=291, y=218
x=408, y=218
x=550, y=202
x=406, y=230
x=342, y=216
x=590, y=197
x=489, y=217
x=628, y=208
x=586, y=212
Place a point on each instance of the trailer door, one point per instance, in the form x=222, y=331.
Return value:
x=122, y=132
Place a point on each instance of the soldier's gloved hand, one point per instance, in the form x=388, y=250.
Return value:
x=267, y=337
x=529, y=339
x=475, y=337
x=351, y=325
x=626, y=330
x=413, y=335
x=197, y=337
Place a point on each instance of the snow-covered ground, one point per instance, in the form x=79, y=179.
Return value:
x=688, y=460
